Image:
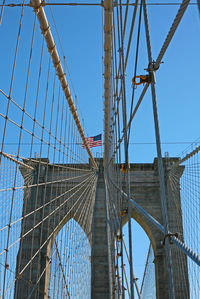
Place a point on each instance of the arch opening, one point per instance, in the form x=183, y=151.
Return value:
x=69, y=271
x=143, y=260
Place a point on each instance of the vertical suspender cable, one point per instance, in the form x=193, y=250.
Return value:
x=126, y=150
x=108, y=28
x=46, y=31
x=160, y=162
x=136, y=62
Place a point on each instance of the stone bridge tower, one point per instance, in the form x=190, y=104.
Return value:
x=145, y=190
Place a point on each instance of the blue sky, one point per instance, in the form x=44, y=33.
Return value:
x=177, y=85
x=81, y=33
x=80, y=29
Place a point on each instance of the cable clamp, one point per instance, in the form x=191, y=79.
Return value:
x=170, y=235
x=124, y=167
x=45, y=31
x=51, y=50
x=61, y=77
x=19, y=276
x=123, y=212
x=143, y=79
x=152, y=66
x=57, y=64
x=38, y=8
x=119, y=238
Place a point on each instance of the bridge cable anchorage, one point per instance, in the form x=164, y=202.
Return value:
x=46, y=31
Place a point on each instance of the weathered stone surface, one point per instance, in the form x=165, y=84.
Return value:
x=100, y=268
x=145, y=189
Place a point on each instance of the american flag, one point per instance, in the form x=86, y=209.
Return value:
x=93, y=141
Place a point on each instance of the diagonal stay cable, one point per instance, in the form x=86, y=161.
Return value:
x=50, y=260
x=167, y=42
x=127, y=52
x=172, y=30
x=51, y=234
x=62, y=269
x=53, y=200
x=46, y=31
x=126, y=279
x=136, y=63
x=182, y=246
x=145, y=269
x=124, y=112
x=66, y=66
x=45, y=183
x=163, y=195
x=82, y=222
x=135, y=281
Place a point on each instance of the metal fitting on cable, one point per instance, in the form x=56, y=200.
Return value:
x=36, y=9
x=143, y=79
x=170, y=235
x=19, y=276
x=45, y=31
x=152, y=66
x=124, y=167
x=123, y=212
x=119, y=237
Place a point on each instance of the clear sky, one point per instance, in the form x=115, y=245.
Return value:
x=81, y=34
x=177, y=81
x=80, y=29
